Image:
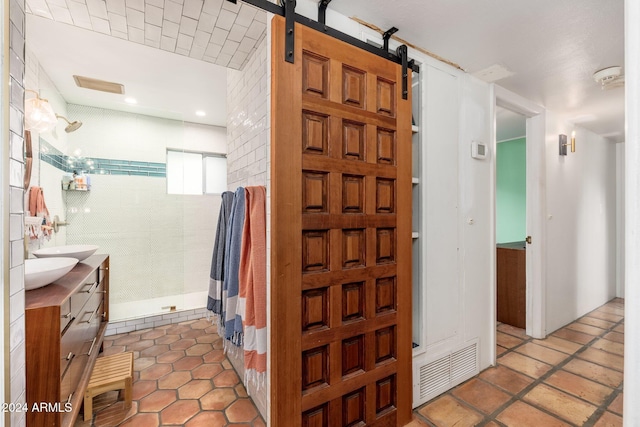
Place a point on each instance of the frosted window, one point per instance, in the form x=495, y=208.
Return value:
x=195, y=173
x=215, y=172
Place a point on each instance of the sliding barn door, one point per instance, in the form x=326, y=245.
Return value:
x=341, y=237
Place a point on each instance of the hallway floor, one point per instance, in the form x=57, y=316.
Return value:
x=571, y=378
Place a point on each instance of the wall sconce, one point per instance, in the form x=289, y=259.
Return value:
x=562, y=140
x=38, y=114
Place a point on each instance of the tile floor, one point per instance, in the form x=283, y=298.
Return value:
x=181, y=377
x=571, y=378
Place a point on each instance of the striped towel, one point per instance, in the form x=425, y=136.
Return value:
x=230, y=285
x=214, y=300
x=253, y=285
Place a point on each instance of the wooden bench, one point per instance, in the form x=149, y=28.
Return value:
x=110, y=373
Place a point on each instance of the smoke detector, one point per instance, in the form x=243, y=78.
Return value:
x=609, y=77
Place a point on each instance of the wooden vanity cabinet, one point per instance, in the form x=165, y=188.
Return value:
x=65, y=323
x=512, y=283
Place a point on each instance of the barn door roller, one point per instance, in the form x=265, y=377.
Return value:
x=287, y=8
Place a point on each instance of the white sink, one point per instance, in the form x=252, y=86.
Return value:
x=79, y=252
x=41, y=272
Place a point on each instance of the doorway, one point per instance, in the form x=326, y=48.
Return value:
x=511, y=221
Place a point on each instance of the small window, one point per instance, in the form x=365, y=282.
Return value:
x=196, y=173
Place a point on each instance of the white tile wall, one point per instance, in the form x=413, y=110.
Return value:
x=168, y=24
x=125, y=326
x=248, y=138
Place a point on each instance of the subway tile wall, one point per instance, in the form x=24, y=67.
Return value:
x=248, y=129
x=16, y=209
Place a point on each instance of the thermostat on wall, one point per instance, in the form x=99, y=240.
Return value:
x=479, y=150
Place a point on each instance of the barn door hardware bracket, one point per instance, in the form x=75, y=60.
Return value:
x=386, y=36
x=289, y=24
x=322, y=11
x=402, y=54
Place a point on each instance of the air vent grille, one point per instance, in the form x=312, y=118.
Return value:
x=101, y=85
x=440, y=375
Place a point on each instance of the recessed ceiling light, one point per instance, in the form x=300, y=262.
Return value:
x=200, y=113
x=130, y=100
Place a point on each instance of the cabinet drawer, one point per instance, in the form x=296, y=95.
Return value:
x=71, y=345
x=65, y=315
x=79, y=299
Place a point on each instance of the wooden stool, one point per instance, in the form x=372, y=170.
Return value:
x=113, y=372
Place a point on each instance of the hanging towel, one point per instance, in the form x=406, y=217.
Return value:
x=253, y=285
x=38, y=207
x=214, y=300
x=230, y=287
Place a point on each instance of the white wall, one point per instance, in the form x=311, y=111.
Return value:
x=620, y=228
x=581, y=225
x=248, y=126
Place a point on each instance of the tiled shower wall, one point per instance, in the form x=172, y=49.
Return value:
x=159, y=244
x=248, y=126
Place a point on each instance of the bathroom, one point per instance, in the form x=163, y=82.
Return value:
x=144, y=207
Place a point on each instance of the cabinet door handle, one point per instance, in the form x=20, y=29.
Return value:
x=88, y=291
x=69, y=398
x=66, y=316
x=93, y=313
x=93, y=343
x=70, y=356
x=101, y=292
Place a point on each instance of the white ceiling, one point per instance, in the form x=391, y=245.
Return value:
x=553, y=47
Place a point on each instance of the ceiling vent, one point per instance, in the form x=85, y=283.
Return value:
x=494, y=73
x=609, y=78
x=101, y=85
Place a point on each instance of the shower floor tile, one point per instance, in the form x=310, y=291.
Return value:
x=181, y=377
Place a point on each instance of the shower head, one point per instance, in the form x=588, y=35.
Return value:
x=71, y=126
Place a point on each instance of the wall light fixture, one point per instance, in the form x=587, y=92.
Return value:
x=38, y=114
x=562, y=141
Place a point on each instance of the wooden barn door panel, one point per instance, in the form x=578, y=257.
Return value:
x=340, y=236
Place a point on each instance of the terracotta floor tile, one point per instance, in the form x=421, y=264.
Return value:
x=140, y=345
x=580, y=387
x=143, y=362
x=603, y=358
x=167, y=339
x=241, y=391
x=218, y=399
x=207, y=338
x=153, y=334
x=619, y=328
x=106, y=343
x=114, y=349
x=561, y=404
x=507, y=341
x=226, y=364
x=609, y=420
x=214, y=356
x=187, y=363
x=605, y=316
x=201, y=324
x=559, y=344
x=174, y=380
x=500, y=350
x=155, y=350
x=597, y=373
x=259, y=422
x=481, y=395
x=206, y=371
x=207, y=419
x=142, y=388
x=574, y=336
x=194, y=389
x=194, y=333
x=182, y=344
x=171, y=356
x=520, y=414
x=615, y=337
x=178, y=329
x=199, y=349
x=524, y=364
x=156, y=371
x=446, y=411
x=612, y=309
x=212, y=329
x=604, y=324
x=512, y=330
x=228, y=378
x=142, y=420
x=542, y=353
x=507, y=379
x=157, y=401
x=609, y=346
x=242, y=410
x=616, y=405
x=587, y=329
x=126, y=340
x=179, y=412
x=492, y=424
